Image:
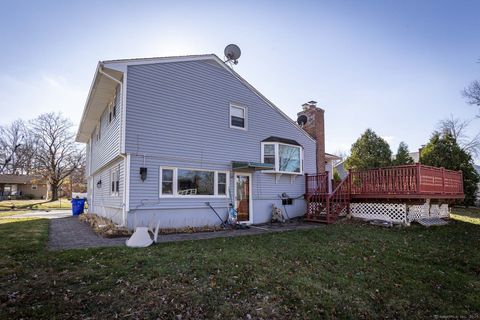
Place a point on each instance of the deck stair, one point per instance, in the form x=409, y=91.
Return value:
x=326, y=207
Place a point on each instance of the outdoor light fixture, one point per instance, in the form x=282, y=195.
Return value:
x=143, y=173
x=99, y=184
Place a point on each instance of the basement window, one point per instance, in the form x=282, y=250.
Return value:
x=238, y=117
x=285, y=157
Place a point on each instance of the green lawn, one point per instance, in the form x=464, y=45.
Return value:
x=63, y=203
x=346, y=270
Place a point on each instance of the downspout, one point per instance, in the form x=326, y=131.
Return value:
x=125, y=161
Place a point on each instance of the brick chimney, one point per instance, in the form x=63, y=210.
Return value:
x=315, y=127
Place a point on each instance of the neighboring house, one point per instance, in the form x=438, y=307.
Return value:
x=166, y=136
x=14, y=186
x=415, y=156
x=340, y=167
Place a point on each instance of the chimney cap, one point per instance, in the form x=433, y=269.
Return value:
x=312, y=102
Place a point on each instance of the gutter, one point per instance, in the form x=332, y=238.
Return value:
x=125, y=157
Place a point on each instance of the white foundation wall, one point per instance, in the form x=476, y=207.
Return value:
x=201, y=215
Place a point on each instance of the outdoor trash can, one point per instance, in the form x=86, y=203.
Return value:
x=78, y=206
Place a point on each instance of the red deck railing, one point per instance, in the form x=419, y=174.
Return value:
x=414, y=180
x=408, y=180
x=400, y=182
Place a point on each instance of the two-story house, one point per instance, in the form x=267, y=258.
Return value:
x=164, y=136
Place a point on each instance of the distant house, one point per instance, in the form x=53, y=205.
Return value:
x=167, y=137
x=415, y=156
x=14, y=186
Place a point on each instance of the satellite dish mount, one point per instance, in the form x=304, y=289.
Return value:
x=232, y=53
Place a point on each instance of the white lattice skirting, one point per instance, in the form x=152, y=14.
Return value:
x=394, y=212
x=398, y=212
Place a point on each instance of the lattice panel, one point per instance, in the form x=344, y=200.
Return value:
x=315, y=208
x=418, y=211
x=394, y=212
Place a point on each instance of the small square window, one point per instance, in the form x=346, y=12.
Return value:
x=34, y=187
x=238, y=117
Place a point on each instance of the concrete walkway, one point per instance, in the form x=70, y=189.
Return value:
x=71, y=233
x=51, y=214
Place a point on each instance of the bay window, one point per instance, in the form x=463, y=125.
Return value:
x=182, y=182
x=286, y=158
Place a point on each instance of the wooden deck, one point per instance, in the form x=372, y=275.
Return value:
x=390, y=184
x=399, y=182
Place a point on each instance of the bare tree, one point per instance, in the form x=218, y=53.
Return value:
x=457, y=128
x=472, y=93
x=57, y=155
x=16, y=148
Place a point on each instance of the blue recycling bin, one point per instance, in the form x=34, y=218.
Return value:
x=78, y=206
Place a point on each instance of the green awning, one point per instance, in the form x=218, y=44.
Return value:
x=240, y=165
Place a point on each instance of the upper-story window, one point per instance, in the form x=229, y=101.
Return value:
x=98, y=133
x=238, y=116
x=286, y=158
x=112, y=110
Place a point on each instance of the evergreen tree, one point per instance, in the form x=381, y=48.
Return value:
x=443, y=151
x=369, y=151
x=403, y=155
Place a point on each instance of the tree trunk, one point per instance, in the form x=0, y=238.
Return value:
x=54, y=190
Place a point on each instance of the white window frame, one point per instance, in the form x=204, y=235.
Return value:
x=111, y=107
x=277, y=157
x=34, y=187
x=245, y=115
x=114, y=177
x=175, y=183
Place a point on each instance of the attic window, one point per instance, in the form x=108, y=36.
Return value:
x=238, y=117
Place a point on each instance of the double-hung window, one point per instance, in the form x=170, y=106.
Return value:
x=238, y=116
x=285, y=158
x=112, y=110
x=114, y=181
x=183, y=182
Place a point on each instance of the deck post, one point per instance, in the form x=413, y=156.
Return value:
x=443, y=180
x=418, y=189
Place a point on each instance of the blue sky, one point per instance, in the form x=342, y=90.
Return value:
x=395, y=66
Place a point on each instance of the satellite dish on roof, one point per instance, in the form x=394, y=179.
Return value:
x=302, y=120
x=232, y=53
